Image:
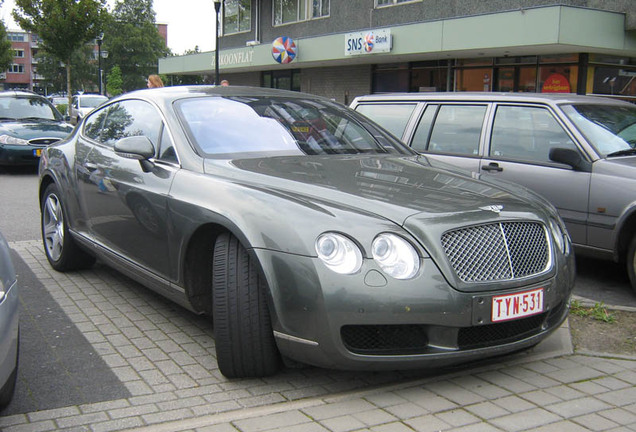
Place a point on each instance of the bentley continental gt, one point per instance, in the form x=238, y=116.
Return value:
x=304, y=230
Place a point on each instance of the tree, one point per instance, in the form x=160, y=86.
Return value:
x=114, y=82
x=84, y=69
x=133, y=42
x=63, y=26
x=6, y=53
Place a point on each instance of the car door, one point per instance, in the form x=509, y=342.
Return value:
x=450, y=132
x=125, y=204
x=519, y=142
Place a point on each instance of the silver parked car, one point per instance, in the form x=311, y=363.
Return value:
x=579, y=152
x=304, y=230
x=84, y=103
x=9, y=331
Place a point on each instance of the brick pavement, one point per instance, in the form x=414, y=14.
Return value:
x=164, y=356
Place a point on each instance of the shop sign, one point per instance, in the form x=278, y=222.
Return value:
x=556, y=83
x=284, y=49
x=374, y=41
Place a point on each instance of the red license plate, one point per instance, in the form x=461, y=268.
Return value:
x=518, y=305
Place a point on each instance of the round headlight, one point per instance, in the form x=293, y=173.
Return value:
x=339, y=253
x=561, y=236
x=397, y=257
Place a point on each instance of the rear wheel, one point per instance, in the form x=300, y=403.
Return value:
x=61, y=250
x=631, y=262
x=245, y=345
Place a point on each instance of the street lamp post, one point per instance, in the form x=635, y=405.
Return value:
x=100, y=39
x=217, y=9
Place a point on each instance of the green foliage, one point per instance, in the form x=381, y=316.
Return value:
x=62, y=108
x=598, y=311
x=63, y=26
x=133, y=42
x=114, y=82
x=85, y=70
x=6, y=53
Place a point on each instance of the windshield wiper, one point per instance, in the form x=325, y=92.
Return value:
x=33, y=118
x=7, y=119
x=625, y=152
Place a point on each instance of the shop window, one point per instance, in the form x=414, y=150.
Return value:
x=558, y=79
x=283, y=80
x=429, y=76
x=614, y=81
x=478, y=79
x=237, y=16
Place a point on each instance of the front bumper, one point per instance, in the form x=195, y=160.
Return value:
x=369, y=321
x=20, y=155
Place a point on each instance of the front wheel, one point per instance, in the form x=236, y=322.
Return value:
x=61, y=250
x=245, y=345
x=631, y=262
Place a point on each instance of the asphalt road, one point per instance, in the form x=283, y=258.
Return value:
x=597, y=280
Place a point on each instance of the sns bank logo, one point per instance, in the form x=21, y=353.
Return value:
x=371, y=42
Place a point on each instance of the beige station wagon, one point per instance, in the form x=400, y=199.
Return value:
x=579, y=152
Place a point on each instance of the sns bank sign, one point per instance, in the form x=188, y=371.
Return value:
x=369, y=42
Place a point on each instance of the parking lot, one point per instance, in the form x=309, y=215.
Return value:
x=100, y=352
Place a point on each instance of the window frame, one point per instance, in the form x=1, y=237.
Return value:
x=304, y=11
x=388, y=3
x=239, y=17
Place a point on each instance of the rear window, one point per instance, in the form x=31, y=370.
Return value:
x=392, y=117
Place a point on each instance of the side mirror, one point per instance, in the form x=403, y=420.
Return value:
x=569, y=157
x=135, y=147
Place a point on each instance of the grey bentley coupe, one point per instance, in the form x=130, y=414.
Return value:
x=304, y=230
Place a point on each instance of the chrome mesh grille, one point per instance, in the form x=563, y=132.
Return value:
x=498, y=251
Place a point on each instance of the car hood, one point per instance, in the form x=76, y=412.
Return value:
x=624, y=167
x=36, y=129
x=395, y=188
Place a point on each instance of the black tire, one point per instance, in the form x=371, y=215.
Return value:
x=60, y=248
x=631, y=262
x=245, y=345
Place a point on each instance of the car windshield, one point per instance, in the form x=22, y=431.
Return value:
x=92, y=101
x=609, y=128
x=27, y=108
x=220, y=126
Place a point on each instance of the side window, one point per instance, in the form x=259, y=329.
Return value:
x=93, y=124
x=457, y=129
x=423, y=131
x=166, y=148
x=131, y=118
x=392, y=117
x=526, y=133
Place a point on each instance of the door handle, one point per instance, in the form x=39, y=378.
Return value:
x=492, y=166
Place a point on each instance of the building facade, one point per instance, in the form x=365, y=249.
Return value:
x=345, y=48
x=22, y=74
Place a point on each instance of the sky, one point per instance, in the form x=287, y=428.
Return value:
x=190, y=22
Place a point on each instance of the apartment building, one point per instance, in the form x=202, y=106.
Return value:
x=22, y=74
x=345, y=48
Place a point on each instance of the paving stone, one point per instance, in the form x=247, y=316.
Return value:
x=274, y=421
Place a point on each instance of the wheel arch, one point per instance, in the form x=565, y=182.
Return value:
x=624, y=235
x=199, y=254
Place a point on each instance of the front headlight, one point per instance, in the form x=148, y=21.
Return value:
x=339, y=253
x=396, y=256
x=8, y=139
x=561, y=236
